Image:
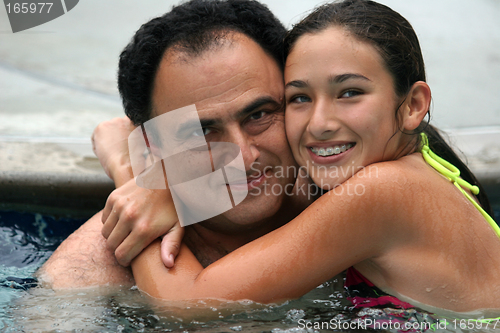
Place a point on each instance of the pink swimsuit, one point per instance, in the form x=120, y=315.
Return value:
x=364, y=294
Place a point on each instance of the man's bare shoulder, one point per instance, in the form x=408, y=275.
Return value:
x=83, y=260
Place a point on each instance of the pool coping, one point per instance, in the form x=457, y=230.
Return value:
x=56, y=176
x=61, y=176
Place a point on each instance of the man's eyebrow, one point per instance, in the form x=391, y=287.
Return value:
x=261, y=101
x=208, y=122
x=194, y=124
x=344, y=77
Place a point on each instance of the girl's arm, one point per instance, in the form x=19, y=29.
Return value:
x=340, y=229
x=110, y=145
x=133, y=216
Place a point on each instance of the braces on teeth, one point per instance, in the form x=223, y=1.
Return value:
x=331, y=150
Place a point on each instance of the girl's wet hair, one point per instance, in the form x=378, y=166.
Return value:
x=397, y=43
x=391, y=34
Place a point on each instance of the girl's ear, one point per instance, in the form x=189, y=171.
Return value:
x=416, y=105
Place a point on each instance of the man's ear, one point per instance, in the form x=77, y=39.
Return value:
x=416, y=105
x=155, y=150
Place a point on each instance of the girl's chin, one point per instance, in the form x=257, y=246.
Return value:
x=327, y=184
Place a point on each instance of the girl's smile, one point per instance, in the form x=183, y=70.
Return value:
x=329, y=152
x=341, y=105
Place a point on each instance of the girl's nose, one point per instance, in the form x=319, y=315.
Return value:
x=323, y=122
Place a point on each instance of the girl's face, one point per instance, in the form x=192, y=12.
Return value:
x=341, y=104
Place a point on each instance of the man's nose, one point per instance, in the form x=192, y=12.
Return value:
x=248, y=146
x=323, y=121
x=235, y=141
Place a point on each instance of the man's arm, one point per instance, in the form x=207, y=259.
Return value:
x=85, y=258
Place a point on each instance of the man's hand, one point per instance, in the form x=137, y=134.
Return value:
x=135, y=216
x=110, y=144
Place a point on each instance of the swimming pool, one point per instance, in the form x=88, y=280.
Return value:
x=27, y=240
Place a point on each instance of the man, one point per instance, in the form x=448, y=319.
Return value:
x=225, y=57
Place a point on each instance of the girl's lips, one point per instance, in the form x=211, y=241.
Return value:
x=331, y=158
x=329, y=144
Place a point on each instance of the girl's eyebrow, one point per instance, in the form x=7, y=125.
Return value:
x=344, y=77
x=296, y=84
x=331, y=79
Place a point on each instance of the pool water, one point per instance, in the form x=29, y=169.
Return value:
x=27, y=240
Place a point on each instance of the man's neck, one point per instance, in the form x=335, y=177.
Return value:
x=209, y=245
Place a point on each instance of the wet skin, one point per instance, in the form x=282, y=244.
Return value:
x=238, y=92
x=410, y=232
x=339, y=93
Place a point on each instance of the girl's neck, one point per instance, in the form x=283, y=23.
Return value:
x=408, y=147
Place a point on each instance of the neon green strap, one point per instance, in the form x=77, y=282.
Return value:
x=453, y=174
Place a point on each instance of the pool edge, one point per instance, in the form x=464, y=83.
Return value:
x=62, y=174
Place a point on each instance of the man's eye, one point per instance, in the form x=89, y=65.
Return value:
x=350, y=93
x=257, y=115
x=300, y=99
x=202, y=132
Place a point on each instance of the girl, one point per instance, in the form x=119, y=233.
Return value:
x=405, y=223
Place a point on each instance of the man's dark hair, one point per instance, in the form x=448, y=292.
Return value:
x=192, y=27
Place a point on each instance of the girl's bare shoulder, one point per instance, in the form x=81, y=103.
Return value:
x=396, y=176
x=384, y=191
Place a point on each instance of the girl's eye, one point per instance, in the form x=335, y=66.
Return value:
x=350, y=93
x=300, y=99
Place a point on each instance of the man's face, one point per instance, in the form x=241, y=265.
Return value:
x=237, y=89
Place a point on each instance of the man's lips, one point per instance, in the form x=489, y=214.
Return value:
x=248, y=183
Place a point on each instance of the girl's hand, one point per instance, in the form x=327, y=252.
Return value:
x=134, y=217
